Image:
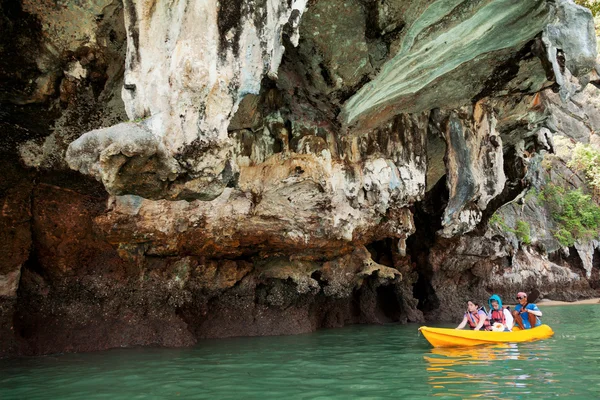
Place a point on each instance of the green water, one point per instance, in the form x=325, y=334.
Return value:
x=368, y=362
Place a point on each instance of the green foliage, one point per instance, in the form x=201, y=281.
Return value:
x=577, y=216
x=497, y=220
x=586, y=159
x=593, y=5
x=547, y=163
x=522, y=230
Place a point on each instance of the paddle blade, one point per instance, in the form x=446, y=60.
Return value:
x=533, y=295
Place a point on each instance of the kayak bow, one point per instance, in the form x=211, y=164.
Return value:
x=443, y=337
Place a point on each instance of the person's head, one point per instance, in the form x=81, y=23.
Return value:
x=472, y=306
x=522, y=298
x=494, y=302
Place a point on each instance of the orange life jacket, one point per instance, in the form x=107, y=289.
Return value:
x=473, y=320
x=498, y=316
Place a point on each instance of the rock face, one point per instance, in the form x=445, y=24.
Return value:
x=268, y=167
x=187, y=89
x=445, y=55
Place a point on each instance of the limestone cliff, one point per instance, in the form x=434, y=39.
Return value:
x=266, y=167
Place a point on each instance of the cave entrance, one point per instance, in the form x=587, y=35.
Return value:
x=572, y=261
x=388, y=303
x=427, y=216
x=595, y=278
x=381, y=252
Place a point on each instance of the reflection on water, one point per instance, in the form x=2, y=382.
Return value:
x=485, y=371
x=366, y=362
x=473, y=355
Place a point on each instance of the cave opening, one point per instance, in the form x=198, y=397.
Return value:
x=381, y=251
x=31, y=282
x=388, y=303
x=427, y=216
x=572, y=261
x=595, y=278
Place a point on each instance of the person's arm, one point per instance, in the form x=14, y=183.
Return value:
x=510, y=321
x=535, y=311
x=482, y=318
x=463, y=323
x=516, y=311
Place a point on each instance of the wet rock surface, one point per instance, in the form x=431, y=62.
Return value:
x=79, y=293
x=263, y=167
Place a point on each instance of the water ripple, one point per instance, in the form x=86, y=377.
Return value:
x=367, y=362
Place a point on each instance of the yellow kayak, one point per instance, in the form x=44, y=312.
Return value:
x=443, y=337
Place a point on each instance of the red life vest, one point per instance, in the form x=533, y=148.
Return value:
x=473, y=320
x=498, y=316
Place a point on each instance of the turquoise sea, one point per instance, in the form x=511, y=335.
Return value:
x=366, y=362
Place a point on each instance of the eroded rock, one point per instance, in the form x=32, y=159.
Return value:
x=210, y=56
x=447, y=51
x=269, y=145
x=475, y=169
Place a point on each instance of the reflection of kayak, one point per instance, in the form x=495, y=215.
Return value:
x=443, y=337
x=441, y=357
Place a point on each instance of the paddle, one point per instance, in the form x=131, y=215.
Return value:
x=533, y=295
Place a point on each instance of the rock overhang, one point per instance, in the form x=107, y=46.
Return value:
x=449, y=36
x=446, y=54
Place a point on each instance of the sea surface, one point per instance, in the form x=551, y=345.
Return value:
x=366, y=362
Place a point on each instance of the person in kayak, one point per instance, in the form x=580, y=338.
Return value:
x=475, y=317
x=499, y=314
x=526, y=314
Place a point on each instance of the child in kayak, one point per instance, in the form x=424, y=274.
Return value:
x=499, y=314
x=475, y=317
x=526, y=314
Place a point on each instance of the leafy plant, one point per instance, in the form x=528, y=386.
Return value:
x=593, y=5
x=586, y=159
x=547, y=163
x=497, y=220
x=577, y=216
x=522, y=230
